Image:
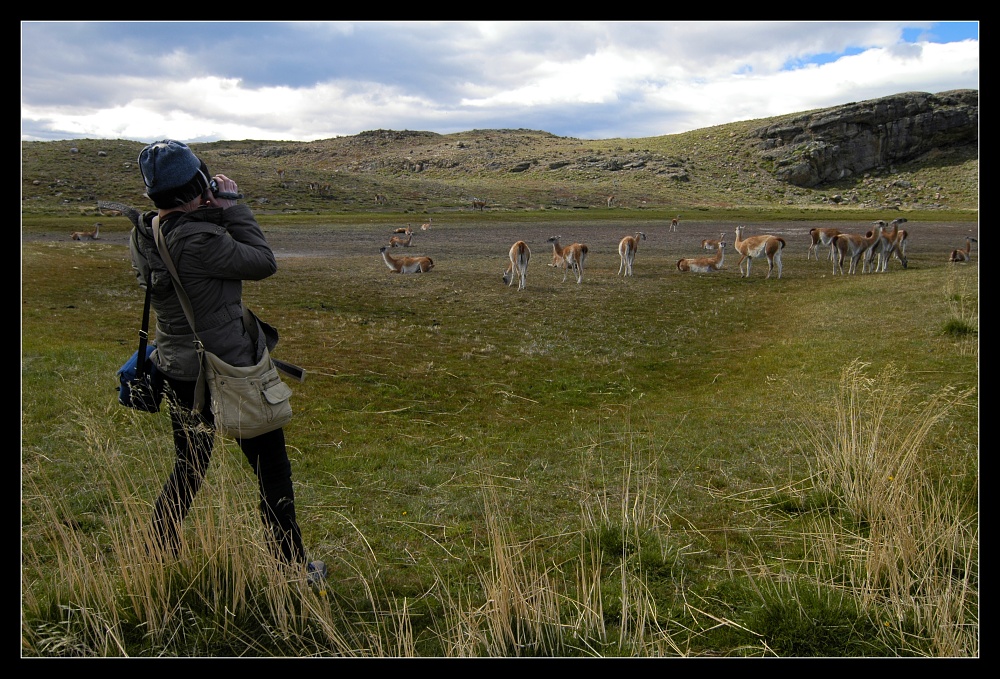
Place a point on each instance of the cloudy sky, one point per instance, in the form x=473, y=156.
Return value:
x=301, y=81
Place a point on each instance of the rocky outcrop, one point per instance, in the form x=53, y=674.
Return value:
x=844, y=141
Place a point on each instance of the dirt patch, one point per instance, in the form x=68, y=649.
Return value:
x=935, y=238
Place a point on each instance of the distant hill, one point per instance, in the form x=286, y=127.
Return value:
x=909, y=151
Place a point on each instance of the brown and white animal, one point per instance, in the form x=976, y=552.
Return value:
x=519, y=256
x=478, y=204
x=674, y=222
x=712, y=244
x=557, y=252
x=963, y=255
x=406, y=230
x=902, y=238
x=380, y=199
x=887, y=246
x=405, y=242
x=704, y=264
x=758, y=246
x=406, y=264
x=424, y=227
x=627, y=248
x=822, y=236
x=87, y=235
x=611, y=201
x=855, y=246
x=573, y=257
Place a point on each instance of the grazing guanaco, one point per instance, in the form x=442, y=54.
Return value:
x=886, y=246
x=824, y=236
x=627, y=248
x=406, y=264
x=704, y=264
x=758, y=246
x=519, y=256
x=902, y=238
x=573, y=257
x=855, y=246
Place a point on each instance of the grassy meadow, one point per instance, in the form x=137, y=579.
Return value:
x=673, y=464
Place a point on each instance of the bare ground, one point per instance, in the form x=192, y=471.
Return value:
x=934, y=240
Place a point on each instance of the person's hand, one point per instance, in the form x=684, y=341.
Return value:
x=226, y=185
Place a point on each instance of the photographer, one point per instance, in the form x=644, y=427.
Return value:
x=215, y=244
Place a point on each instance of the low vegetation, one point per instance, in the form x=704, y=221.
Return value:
x=699, y=174
x=669, y=464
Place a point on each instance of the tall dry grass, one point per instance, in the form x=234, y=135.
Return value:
x=963, y=303
x=895, y=538
x=904, y=541
x=101, y=593
x=104, y=593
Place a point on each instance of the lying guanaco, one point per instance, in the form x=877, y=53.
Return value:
x=87, y=235
x=704, y=264
x=406, y=264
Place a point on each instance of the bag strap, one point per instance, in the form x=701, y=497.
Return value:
x=144, y=331
x=161, y=246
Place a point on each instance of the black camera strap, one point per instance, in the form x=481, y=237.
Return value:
x=140, y=369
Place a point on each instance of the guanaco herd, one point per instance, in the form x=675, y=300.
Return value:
x=873, y=250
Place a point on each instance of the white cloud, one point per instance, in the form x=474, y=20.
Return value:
x=305, y=81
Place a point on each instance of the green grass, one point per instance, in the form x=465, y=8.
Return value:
x=657, y=466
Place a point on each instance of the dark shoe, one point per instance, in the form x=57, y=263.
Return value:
x=316, y=576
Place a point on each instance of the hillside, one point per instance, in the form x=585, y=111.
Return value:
x=912, y=151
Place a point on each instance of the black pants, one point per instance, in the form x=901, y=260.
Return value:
x=194, y=437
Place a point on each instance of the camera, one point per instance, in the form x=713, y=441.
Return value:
x=214, y=185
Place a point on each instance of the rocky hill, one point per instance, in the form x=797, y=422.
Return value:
x=849, y=140
x=908, y=151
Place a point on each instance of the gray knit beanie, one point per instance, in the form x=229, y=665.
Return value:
x=173, y=174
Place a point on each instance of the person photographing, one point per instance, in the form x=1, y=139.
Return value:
x=215, y=244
